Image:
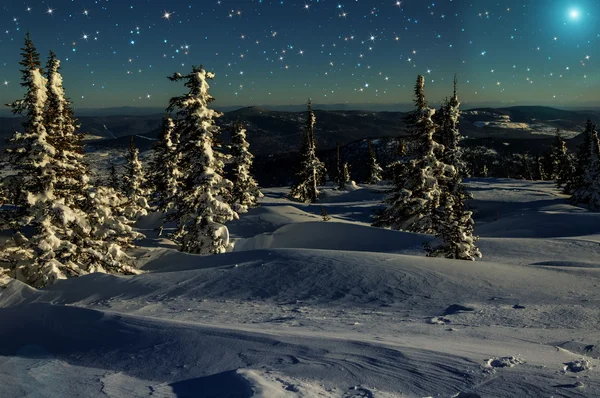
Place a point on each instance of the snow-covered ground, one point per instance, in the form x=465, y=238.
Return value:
x=307, y=308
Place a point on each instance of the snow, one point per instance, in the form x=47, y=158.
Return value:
x=307, y=308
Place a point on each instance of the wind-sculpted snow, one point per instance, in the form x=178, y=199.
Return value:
x=308, y=308
x=335, y=236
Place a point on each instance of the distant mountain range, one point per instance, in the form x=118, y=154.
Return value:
x=274, y=131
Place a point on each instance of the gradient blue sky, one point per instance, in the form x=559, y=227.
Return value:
x=118, y=53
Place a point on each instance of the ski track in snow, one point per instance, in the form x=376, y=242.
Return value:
x=306, y=308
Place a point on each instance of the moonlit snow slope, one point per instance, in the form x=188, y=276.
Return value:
x=307, y=308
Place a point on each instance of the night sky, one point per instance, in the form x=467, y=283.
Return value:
x=119, y=52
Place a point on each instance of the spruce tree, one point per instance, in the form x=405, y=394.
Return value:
x=343, y=171
x=311, y=170
x=541, y=170
x=587, y=190
x=245, y=191
x=452, y=222
x=113, y=180
x=201, y=207
x=164, y=171
x=450, y=136
x=134, y=184
x=110, y=234
x=44, y=256
x=584, y=154
x=375, y=170
x=561, y=163
x=454, y=230
x=72, y=171
x=416, y=192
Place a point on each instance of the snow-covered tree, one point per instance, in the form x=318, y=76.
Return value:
x=72, y=172
x=43, y=257
x=113, y=181
x=584, y=154
x=134, y=184
x=416, y=193
x=201, y=207
x=454, y=230
x=343, y=173
x=311, y=170
x=541, y=169
x=54, y=234
x=164, y=171
x=111, y=233
x=561, y=162
x=245, y=191
x=450, y=136
x=587, y=190
x=452, y=222
x=375, y=170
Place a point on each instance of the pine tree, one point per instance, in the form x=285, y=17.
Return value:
x=541, y=170
x=375, y=170
x=134, y=183
x=245, y=191
x=525, y=167
x=417, y=191
x=113, y=180
x=588, y=188
x=71, y=169
x=454, y=229
x=452, y=222
x=584, y=154
x=311, y=170
x=561, y=162
x=201, y=206
x=450, y=135
x=110, y=234
x=164, y=173
x=44, y=257
x=340, y=177
x=343, y=171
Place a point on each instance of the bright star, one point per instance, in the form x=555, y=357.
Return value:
x=574, y=14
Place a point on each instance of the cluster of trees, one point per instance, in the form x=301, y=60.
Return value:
x=578, y=176
x=575, y=174
x=64, y=224
x=428, y=195
x=311, y=172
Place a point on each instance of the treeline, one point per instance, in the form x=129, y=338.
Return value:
x=64, y=221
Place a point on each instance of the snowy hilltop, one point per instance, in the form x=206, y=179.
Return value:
x=306, y=307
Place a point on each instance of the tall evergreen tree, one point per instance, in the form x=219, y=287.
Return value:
x=416, y=193
x=587, y=190
x=72, y=170
x=201, y=207
x=134, y=183
x=311, y=170
x=164, y=173
x=450, y=134
x=453, y=223
x=375, y=170
x=245, y=191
